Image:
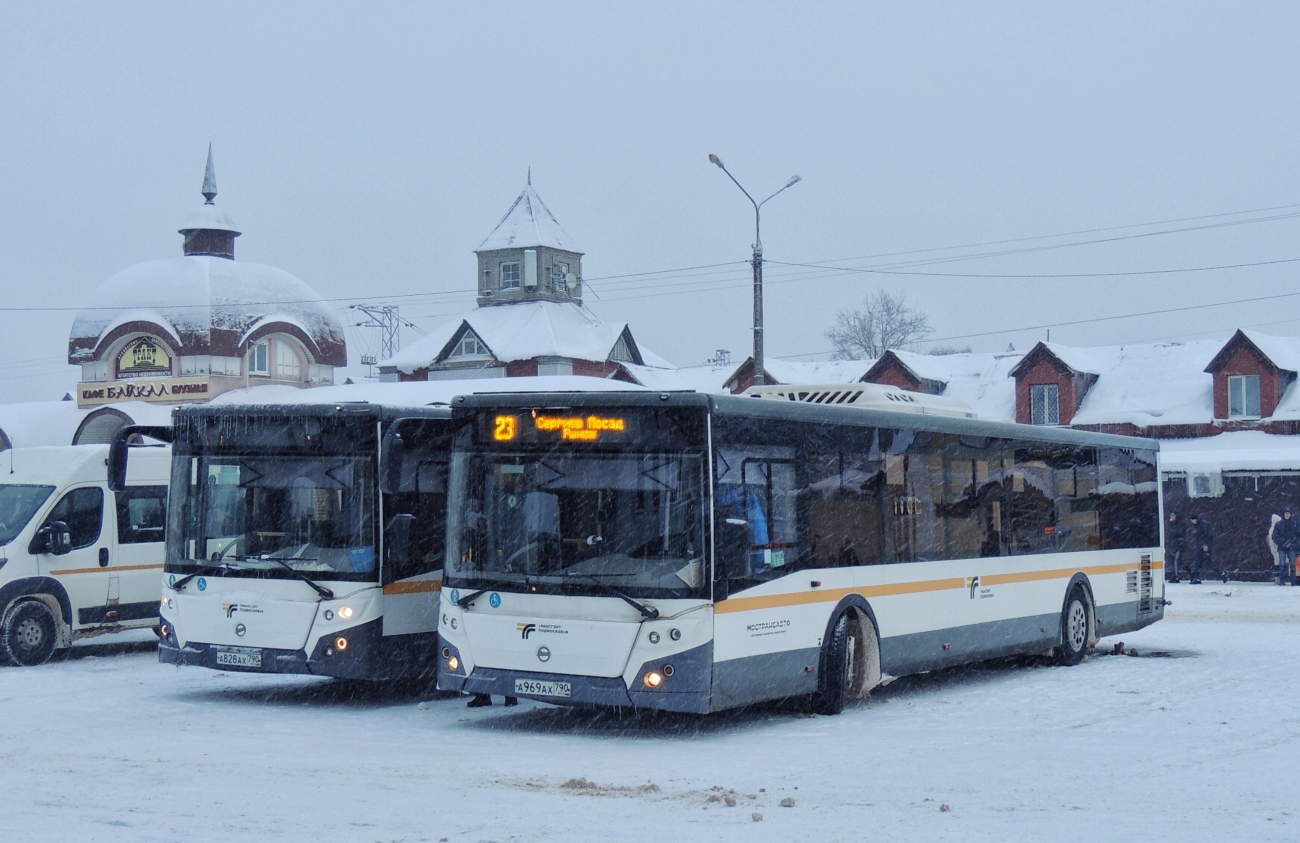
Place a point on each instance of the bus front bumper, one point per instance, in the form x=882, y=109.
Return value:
x=686, y=691
x=354, y=661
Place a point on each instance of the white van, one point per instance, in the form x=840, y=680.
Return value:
x=76, y=559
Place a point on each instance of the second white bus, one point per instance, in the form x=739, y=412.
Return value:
x=694, y=553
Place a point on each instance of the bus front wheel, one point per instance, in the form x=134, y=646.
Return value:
x=1075, y=629
x=850, y=663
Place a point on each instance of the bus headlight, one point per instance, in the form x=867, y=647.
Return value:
x=453, y=663
x=345, y=612
x=653, y=679
x=340, y=643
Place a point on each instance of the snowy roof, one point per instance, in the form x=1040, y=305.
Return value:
x=981, y=380
x=208, y=216
x=418, y=393
x=816, y=371
x=43, y=423
x=528, y=223
x=1283, y=351
x=1244, y=450
x=195, y=295
x=1150, y=384
x=521, y=332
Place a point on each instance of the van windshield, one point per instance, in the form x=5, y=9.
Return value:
x=17, y=506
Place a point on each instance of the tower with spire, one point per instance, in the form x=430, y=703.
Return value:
x=208, y=230
x=528, y=257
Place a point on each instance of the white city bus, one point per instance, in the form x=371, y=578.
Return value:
x=694, y=553
x=282, y=554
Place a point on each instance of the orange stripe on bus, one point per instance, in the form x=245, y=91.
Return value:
x=834, y=595
x=113, y=569
x=413, y=587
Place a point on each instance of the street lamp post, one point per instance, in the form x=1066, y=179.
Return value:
x=757, y=263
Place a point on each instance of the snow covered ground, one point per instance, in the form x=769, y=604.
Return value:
x=1196, y=738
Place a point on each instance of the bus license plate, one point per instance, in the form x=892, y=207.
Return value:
x=239, y=657
x=534, y=688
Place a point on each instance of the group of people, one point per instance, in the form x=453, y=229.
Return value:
x=1200, y=559
x=1284, y=541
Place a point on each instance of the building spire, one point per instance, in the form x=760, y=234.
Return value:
x=210, y=179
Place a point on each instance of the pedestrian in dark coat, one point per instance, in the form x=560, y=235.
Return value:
x=1175, y=541
x=1203, y=551
x=1287, y=537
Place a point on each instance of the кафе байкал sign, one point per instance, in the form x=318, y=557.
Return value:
x=161, y=390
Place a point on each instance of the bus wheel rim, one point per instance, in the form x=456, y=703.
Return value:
x=1078, y=629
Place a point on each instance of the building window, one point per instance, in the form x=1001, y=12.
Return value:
x=469, y=346
x=259, y=358
x=510, y=275
x=287, y=363
x=621, y=352
x=1243, y=397
x=1044, y=404
x=558, y=272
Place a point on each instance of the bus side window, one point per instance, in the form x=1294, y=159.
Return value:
x=416, y=532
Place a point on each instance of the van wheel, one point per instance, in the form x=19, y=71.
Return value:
x=1074, y=629
x=850, y=663
x=29, y=634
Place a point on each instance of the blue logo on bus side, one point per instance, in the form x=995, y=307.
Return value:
x=495, y=600
x=172, y=581
x=203, y=584
x=455, y=595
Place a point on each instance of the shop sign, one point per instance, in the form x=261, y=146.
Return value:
x=157, y=390
x=144, y=357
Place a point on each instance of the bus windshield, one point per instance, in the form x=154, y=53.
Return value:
x=257, y=514
x=17, y=506
x=560, y=522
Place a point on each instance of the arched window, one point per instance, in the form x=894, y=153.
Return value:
x=288, y=364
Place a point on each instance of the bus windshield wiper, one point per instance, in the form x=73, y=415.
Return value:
x=648, y=612
x=469, y=598
x=180, y=583
x=324, y=592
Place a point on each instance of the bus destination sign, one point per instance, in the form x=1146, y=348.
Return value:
x=588, y=428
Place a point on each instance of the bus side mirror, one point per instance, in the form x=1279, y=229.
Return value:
x=54, y=538
x=390, y=461
x=119, y=450
x=733, y=545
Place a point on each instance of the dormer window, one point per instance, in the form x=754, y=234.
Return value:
x=470, y=346
x=259, y=358
x=621, y=352
x=1243, y=397
x=510, y=275
x=1044, y=403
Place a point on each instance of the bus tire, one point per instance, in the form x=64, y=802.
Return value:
x=1075, y=628
x=30, y=633
x=850, y=663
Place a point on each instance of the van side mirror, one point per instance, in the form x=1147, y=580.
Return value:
x=54, y=538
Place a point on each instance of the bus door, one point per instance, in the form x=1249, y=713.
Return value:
x=134, y=569
x=413, y=471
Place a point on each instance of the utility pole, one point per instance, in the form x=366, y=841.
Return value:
x=389, y=323
x=757, y=263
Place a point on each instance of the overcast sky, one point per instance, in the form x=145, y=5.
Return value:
x=370, y=148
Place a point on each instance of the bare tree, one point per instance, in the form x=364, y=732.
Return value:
x=883, y=322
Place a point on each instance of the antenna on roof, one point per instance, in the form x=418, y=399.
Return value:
x=210, y=178
x=530, y=174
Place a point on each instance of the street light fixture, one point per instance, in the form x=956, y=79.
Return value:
x=757, y=262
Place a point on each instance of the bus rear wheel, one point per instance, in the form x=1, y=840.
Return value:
x=1075, y=629
x=850, y=663
x=29, y=634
